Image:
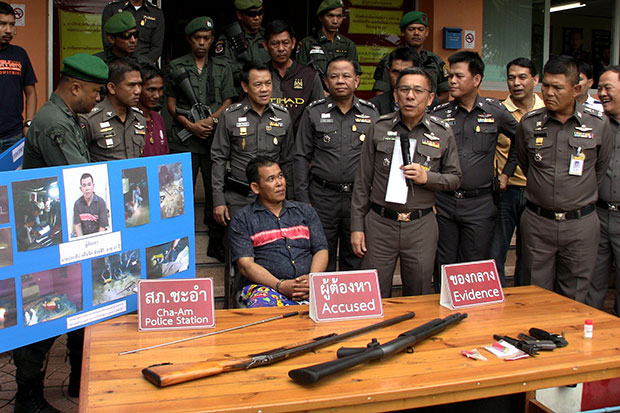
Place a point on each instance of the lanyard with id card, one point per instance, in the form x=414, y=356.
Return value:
x=576, y=163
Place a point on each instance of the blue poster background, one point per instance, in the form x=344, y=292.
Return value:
x=14, y=328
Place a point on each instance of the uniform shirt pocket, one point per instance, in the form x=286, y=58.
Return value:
x=327, y=136
x=486, y=139
x=428, y=156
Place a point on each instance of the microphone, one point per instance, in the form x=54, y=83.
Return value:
x=404, y=147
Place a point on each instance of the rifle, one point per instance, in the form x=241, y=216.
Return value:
x=198, y=111
x=167, y=374
x=350, y=357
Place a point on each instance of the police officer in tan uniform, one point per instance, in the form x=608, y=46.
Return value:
x=389, y=221
x=330, y=138
x=563, y=150
x=254, y=126
x=115, y=129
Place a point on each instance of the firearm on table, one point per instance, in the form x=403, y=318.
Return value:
x=350, y=357
x=198, y=111
x=528, y=344
x=167, y=374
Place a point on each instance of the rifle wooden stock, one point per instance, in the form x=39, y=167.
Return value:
x=168, y=374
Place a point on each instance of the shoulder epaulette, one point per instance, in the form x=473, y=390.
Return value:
x=594, y=112
x=367, y=103
x=138, y=110
x=317, y=102
x=232, y=107
x=442, y=106
x=94, y=111
x=533, y=113
x=439, y=121
x=278, y=106
x=386, y=116
x=494, y=101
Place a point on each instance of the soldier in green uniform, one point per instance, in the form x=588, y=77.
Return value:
x=230, y=46
x=212, y=83
x=116, y=128
x=326, y=43
x=414, y=26
x=151, y=26
x=122, y=33
x=55, y=138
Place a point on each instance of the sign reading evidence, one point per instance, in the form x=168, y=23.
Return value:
x=470, y=284
x=345, y=295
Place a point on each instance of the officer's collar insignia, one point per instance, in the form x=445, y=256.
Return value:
x=538, y=123
x=583, y=128
x=480, y=104
x=578, y=114
x=108, y=114
x=329, y=105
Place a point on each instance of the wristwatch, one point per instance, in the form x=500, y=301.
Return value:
x=27, y=123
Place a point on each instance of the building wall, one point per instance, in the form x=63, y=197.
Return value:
x=466, y=15
x=34, y=37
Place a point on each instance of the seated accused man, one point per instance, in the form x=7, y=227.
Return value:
x=275, y=243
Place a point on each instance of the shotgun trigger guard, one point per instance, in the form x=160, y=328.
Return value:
x=409, y=350
x=160, y=364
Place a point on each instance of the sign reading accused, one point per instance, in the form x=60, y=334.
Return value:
x=345, y=295
x=175, y=304
x=470, y=284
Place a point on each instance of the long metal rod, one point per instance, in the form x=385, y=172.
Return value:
x=294, y=313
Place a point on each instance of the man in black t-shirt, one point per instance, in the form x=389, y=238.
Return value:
x=17, y=80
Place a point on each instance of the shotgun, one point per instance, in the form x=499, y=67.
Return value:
x=350, y=357
x=168, y=374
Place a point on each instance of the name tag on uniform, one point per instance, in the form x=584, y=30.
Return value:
x=242, y=119
x=576, y=164
x=104, y=124
x=326, y=121
x=326, y=115
x=242, y=124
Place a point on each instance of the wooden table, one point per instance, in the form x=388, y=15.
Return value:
x=435, y=374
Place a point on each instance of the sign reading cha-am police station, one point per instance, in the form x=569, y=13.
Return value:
x=175, y=304
x=469, y=284
x=345, y=295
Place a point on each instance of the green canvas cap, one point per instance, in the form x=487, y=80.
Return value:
x=413, y=17
x=120, y=23
x=86, y=67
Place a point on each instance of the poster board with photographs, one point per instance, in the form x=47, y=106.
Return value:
x=75, y=241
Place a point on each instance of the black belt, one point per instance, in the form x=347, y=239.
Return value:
x=346, y=188
x=460, y=194
x=400, y=216
x=560, y=216
x=608, y=205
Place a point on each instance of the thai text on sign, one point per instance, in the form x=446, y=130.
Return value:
x=470, y=283
x=175, y=304
x=345, y=295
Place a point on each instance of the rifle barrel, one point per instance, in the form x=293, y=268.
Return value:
x=167, y=374
x=312, y=374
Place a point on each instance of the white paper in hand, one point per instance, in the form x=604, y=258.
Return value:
x=397, y=189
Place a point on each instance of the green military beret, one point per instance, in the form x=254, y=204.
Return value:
x=327, y=5
x=85, y=67
x=413, y=17
x=199, y=23
x=120, y=23
x=248, y=4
